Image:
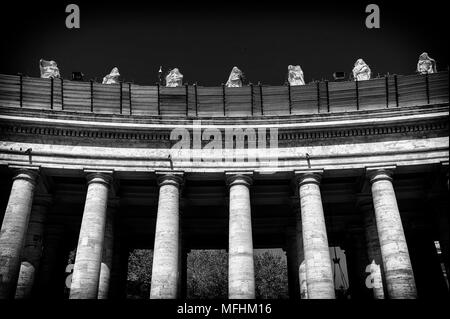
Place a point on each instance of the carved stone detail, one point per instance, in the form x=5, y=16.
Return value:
x=361, y=71
x=49, y=69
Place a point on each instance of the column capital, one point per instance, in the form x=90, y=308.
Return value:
x=28, y=173
x=308, y=176
x=239, y=178
x=378, y=173
x=174, y=178
x=96, y=176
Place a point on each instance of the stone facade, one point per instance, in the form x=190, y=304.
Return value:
x=111, y=184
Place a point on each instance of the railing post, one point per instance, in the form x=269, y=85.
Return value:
x=51, y=93
x=92, y=96
x=261, y=98
x=187, y=99
x=223, y=100
x=357, y=95
x=159, y=107
x=120, y=105
x=251, y=99
x=129, y=96
x=427, y=87
x=328, y=96
x=290, y=101
x=318, y=97
x=386, y=81
x=196, y=101
x=396, y=90
x=62, y=94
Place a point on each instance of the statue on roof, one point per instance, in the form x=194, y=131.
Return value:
x=361, y=71
x=174, y=78
x=426, y=65
x=235, y=78
x=295, y=75
x=49, y=69
x=112, y=77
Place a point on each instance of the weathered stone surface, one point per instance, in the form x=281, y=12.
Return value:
x=46, y=285
x=241, y=271
x=300, y=253
x=426, y=65
x=295, y=75
x=361, y=71
x=112, y=77
x=394, y=250
x=32, y=250
x=303, y=282
x=49, y=69
x=174, y=78
x=292, y=265
x=14, y=228
x=165, y=269
x=235, y=78
x=373, y=247
x=319, y=274
x=86, y=271
x=107, y=256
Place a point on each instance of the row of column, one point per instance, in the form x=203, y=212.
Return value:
x=94, y=251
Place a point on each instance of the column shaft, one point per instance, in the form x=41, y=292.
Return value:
x=165, y=269
x=303, y=283
x=319, y=273
x=107, y=256
x=293, y=266
x=46, y=283
x=374, y=252
x=241, y=272
x=86, y=271
x=32, y=250
x=13, y=231
x=394, y=250
x=300, y=255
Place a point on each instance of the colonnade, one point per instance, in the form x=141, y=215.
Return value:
x=22, y=231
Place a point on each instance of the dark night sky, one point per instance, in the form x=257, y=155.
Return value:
x=205, y=41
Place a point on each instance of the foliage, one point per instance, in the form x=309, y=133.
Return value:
x=207, y=274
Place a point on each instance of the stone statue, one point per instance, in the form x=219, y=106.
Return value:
x=426, y=65
x=235, y=78
x=361, y=71
x=174, y=78
x=112, y=78
x=295, y=75
x=49, y=69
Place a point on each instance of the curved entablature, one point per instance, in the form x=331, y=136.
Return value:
x=203, y=102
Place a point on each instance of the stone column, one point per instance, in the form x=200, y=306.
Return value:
x=292, y=264
x=46, y=284
x=374, y=261
x=32, y=250
x=14, y=227
x=241, y=272
x=300, y=255
x=319, y=273
x=394, y=251
x=86, y=270
x=165, y=269
x=303, y=283
x=107, y=255
x=119, y=269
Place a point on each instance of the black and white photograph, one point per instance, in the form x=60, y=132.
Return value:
x=224, y=159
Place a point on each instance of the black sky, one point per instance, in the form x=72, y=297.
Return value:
x=205, y=40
